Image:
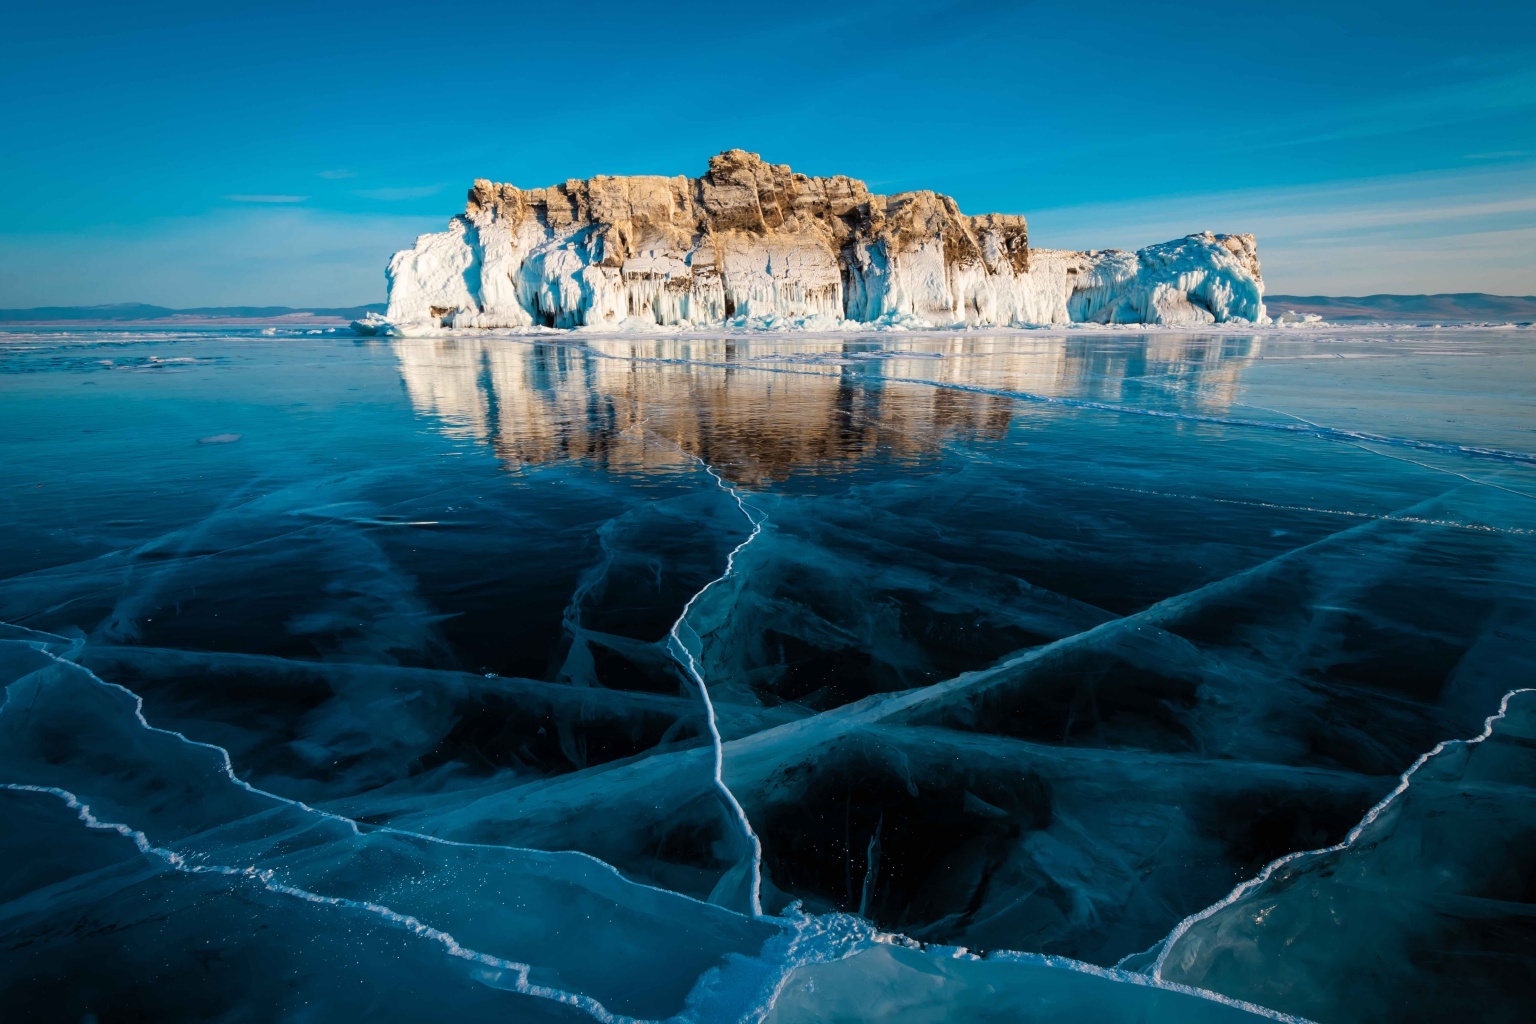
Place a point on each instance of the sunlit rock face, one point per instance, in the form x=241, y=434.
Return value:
x=756, y=244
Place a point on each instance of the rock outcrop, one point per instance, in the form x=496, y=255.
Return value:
x=753, y=243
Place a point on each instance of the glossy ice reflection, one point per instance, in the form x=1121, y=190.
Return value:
x=1027, y=644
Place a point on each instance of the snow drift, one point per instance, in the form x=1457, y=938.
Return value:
x=752, y=243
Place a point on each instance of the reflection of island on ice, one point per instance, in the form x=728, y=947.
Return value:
x=758, y=411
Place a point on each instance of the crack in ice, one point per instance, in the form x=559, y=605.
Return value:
x=809, y=939
x=1165, y=948
x=678, y=648
x=267, y=879
x=1517, y=531
x=358, y=828
x=881, y=707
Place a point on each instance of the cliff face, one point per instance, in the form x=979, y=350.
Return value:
x=755, y=243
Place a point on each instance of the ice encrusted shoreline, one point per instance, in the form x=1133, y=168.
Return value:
x=754, y=244
x=818, y=327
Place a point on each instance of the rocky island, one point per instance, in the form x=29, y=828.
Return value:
x=753, y=244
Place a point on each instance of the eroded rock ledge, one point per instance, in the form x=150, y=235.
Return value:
x=754, y=243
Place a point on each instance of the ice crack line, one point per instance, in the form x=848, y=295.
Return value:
x=227, y=768
x=684, y=657
x=266, y=878
x=789, y=960
x=1349, y=840
x=1348, y=513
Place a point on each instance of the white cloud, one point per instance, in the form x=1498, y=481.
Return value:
x=337, y=174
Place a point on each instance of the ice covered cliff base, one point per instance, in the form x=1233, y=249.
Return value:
x=754, y=244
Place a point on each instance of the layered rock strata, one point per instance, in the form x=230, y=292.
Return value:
x=755, y=244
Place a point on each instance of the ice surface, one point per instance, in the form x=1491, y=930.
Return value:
x=896, y=983
x=205, y=945
x=842, y=678
x=1437, y=874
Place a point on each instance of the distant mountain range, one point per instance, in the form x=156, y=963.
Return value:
x=1456, y=307
x=139, y=312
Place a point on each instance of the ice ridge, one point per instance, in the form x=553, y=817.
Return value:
x=747, y=991
x=775, y=745
x=228, y=770
x=521, y=972
x=268, y=880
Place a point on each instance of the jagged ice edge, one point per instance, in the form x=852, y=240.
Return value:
x=229, y=772
x=1165, y=948
x=267, y=879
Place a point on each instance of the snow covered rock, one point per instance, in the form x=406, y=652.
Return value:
x=754, y=243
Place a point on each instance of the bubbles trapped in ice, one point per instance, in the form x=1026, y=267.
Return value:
x=1013, y=677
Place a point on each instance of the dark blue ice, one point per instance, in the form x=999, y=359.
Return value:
x=1112, y=677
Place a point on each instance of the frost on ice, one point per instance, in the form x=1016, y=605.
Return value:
x=753, y=244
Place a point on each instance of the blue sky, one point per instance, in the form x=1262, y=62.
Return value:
x=196, y=153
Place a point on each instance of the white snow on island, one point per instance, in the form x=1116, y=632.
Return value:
x=752, y=244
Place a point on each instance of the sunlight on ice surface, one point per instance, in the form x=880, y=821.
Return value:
x=1017, y=677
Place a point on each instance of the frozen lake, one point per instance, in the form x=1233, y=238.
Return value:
x=744, y=678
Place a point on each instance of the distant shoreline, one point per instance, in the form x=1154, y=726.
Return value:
x=141, y=314
x=294, y=320
x=1446, y=308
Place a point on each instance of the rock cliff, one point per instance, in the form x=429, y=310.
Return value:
x=755, y=244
